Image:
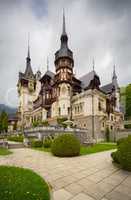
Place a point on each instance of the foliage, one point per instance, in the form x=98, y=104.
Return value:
x=3, y=122
x=61, y=120
x=16, y=138
x=128, y=101
x=127, y=126
x=4, y=151
x=123, y=154
x=116, y=156
x=36, y=143
x=84, y=150
x=65, y=145
x=97, y=148
x=35, y=124
x=22, y=184
x=121, y=140
x=45, y=123
x=107, y=134
x=47, y=142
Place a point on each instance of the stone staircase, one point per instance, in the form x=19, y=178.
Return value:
x=15, y=145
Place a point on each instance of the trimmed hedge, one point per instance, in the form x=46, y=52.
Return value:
x=47, y=143
x=123, y=154
x=36, y=143
x=16, y=138
x=65, y=145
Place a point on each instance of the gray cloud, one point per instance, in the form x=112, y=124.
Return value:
x=99, y=29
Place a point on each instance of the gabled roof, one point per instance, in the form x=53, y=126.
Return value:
x=87, y=78
x=49, y=74
x=107, y=88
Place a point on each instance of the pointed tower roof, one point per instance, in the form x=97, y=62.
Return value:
x=28, y=70
x=64, y=25
x=114, y=78
x=64, y=51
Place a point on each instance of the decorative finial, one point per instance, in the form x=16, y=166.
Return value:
x=47, y=63
x=64, y=25
x=93, y=64
x=28, y=55
x=114, y=71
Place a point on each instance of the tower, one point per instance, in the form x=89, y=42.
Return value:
x=116, y=89
x=26, y=91
x=64, y=64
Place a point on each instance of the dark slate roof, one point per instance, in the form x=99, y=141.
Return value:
x=107, y=88
x=87, y=78
x=64, y=52
x=49, y=73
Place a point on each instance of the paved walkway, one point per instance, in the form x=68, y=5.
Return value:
x=91, y=177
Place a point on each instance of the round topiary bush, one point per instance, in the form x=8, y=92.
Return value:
x=65, y=145
x=123, y=154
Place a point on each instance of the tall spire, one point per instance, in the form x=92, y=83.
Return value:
x=64, y=25
x=47, y=63
x=114, y=78
x=28, y=71
x=64, y=37
x=93, y=64
x=64, y=51
x=28, y=54
x=114, y=72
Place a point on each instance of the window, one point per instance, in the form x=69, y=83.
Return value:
x=99, y=106
x=59, y=111
x=111, y=117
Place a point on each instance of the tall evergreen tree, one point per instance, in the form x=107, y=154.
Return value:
x=128, y=101
x=3, y=122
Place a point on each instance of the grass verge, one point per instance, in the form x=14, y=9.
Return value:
x=84, y=150
x=4, y=151
x=22, y=184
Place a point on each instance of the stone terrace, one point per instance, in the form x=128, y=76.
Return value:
x=90, y=177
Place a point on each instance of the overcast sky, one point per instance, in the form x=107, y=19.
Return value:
x=96, y=28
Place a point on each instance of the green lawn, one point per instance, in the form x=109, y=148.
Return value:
x=88, y=150
x=97, y=148
x=22, y=184
x=4, y=151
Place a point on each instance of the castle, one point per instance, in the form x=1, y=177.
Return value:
x=62, y=95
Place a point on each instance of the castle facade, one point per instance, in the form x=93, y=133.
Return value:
x=62, y=95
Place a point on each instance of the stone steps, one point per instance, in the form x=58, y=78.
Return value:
x=15, y=145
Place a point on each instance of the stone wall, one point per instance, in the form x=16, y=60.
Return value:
x=114, y=136
x=43, y=132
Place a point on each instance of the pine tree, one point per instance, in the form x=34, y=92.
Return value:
x=3, y=122
x=128, y=101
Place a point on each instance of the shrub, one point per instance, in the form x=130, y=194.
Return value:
x=121, y=140
x=16, y=138
x=45, y=123
x=65, y=145
x=116, y=156
x=127, y=126
x=60, y=122
x=47, y=143
x=36, y=143
x=123, y=154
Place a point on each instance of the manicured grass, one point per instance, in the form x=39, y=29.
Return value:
x=42, y=149
x=4, y=151
x=22, y=184
x=88, y=150
x=97, y=148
